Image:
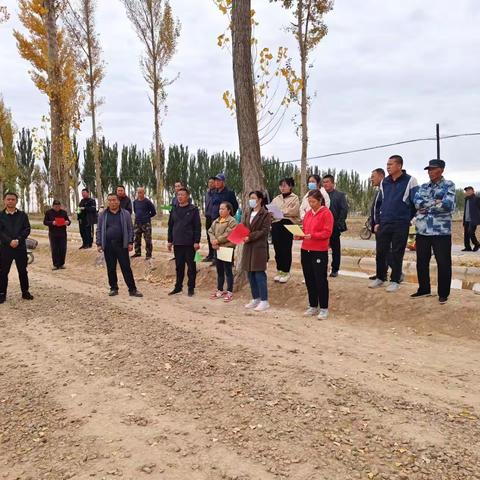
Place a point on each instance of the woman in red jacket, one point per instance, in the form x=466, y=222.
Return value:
x=317, y=226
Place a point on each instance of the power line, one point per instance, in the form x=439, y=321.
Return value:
x=376, y=147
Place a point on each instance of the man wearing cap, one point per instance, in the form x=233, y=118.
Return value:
x=222, y=194
x=57, y=221
x=471, y=219
x=435, y=204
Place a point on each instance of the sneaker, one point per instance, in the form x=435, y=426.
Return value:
x=253, y=303
x=228, y=297
x=135, y=293
x=310, y=312
x=62, y=267
x=334, y=274
x=175, y=291
x=278, y=276
x=136, y=255
x=420, y=295
x=392, y=287
x=466, y=249
x=191, y=292
x=82, y=247
x=55, y=268
x=148, y=257
x=27, y=296
x=323, y=314
x=373, y=277
x=262, y=306
x=285, y=278
x=216, y=294
x=113, y=292
x=377, y=283
x=476, y=248
x=443, y=300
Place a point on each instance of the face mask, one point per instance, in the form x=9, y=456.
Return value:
x=252, y=203
x=312, y=186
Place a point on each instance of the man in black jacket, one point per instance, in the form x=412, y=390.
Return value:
x=57, y=222
x=87, y=218
x=125, y=201
x=471, y=219
x=208, y=217
x=14, y=230
x=339, y=209
x=184, y=232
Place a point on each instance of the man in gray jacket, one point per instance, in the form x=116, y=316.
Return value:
x=115, y=240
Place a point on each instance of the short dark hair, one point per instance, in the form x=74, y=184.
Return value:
x=113, y=194
x=317, y=194
x=397, y=158
x=85, y=190
x=15, y=194
x=121, y=186
x=288, y=180
x=468, y=188
x=180, y=182
x=229, y=206
x=212, y=178
x=183, y=189
x=380, y=171
x=315, y=176
x=329, y=176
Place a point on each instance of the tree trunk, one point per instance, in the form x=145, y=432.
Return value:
x=159, y=151
x=59, y=173
x=250, y=157
x=304, y=102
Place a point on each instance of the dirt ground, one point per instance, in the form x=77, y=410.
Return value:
x=93, y=387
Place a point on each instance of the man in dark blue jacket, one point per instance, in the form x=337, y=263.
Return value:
x=184, y=232
x=14, y=230
x=222, y=194
x=396, y=210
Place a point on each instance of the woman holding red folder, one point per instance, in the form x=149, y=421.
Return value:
x=255, y=251
x=57, y=221
x=317, y=227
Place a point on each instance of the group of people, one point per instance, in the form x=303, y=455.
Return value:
x=321, y=214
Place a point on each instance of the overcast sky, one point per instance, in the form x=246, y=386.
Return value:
x=387, y=71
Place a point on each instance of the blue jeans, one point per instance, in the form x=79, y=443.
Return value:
x=258, y=285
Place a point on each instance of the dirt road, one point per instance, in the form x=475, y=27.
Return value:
x=93, y=387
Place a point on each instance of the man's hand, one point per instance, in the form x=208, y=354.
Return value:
x=54, y=223
x=99, y=249
x=376, y=228
x=14, y=243
x=196, y=246
x=214, y=242
x=247, y=239
x=170, y=246
x=130, y=247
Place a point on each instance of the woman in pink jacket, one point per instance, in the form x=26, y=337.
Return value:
x=317, y=226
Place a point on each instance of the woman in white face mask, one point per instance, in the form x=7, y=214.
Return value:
x=314, y=183
x=255, y=251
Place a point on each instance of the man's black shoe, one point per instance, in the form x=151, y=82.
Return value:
x=148, y=257
x=466, y=249
x=334, y=274
x=82, y=247
x=62, y=267
x=214, y=261
x=2, y=298
x=373, y=277
x=420, y=294
x=113, y=292
x=27, y=296
x=443, y=300
x=55, y=268
x=476, y=248
x=191, y=292
x=135, y=255
x=207, y=259
x=175, y=291
x=135, y=293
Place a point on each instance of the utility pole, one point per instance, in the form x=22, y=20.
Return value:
x=438, y=141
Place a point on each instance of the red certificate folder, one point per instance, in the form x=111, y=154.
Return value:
x=60, y=222
x=238, y=234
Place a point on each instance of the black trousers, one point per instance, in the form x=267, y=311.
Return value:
x=86, y=232
x=315, y=267
x=469, y=235
x=442, y=249
x=7, y=256
x=185, y=254
x=224, y=269
x=114, y=252
x=391, y=240
x=282, y=241
x=208, y=224
x=336, y=248
x=58, y=247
